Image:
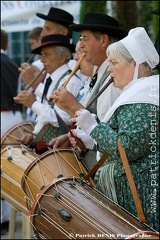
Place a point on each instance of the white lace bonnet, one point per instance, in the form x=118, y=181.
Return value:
x=141, y=48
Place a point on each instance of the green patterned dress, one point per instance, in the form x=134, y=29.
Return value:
x=137, y=127
x=52, y=132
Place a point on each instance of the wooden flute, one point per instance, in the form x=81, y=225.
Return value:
x=31, y=58
x=30, y=84
x=74, y=69
x=72, y=73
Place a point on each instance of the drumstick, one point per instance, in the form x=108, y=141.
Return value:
x=74, y=69
x=30, y=84
x=27, y=130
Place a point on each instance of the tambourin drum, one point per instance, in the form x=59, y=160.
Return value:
x=69, y=208
x=13, y=135
x=50, y=165
x=14, y=161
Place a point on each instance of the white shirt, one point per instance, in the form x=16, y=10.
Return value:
x=71, y=64
x=45, y=113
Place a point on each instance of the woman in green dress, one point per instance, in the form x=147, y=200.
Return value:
x=133, y=119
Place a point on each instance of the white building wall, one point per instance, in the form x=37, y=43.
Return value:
x=17, y=16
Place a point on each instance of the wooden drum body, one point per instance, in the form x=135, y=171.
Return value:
x=51, y=165
x=14, y=160
x=68, y=208
x=13, y=135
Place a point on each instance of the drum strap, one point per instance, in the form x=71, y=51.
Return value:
x=131, y=183
x=97, y=165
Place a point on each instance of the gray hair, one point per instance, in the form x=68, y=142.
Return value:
x=97, y=35
x=60, y=49
x=117, y=48
x=61, y=27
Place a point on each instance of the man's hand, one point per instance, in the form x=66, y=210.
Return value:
x=61, y=141
x=28, y=73
x=26, y=139
x=26, y=98
x=66, y=101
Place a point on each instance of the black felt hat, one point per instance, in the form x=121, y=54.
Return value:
x=57, y=15
x=54, y=39
x=102, y=23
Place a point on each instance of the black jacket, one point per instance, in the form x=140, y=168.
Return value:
x=9, y=83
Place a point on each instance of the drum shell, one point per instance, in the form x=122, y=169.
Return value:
x=11, y=175
x=49, y=166
x=15, y=133
x=93, y=216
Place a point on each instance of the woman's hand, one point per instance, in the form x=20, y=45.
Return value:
x=87, y=140
x=84, y=120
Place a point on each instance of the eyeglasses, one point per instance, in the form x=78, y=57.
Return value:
x=84, y=39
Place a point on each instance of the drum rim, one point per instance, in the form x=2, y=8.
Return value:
x=13, y=186
x=13, y=128
x=40, y=194
x=39, y=158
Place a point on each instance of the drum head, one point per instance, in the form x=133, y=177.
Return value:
x=51, y=165
x=13, y=135
x=14, y=161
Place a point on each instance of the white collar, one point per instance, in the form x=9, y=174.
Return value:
x=143, y=90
